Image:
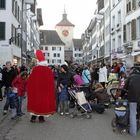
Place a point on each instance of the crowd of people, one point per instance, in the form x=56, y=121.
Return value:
x=14, y=86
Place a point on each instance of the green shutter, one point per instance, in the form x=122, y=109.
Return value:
x=134, y=4
x=2, y=30
x=133, y=29
x=124, y=33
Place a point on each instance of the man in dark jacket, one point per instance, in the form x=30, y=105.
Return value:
x=132, y=85
x=8, y=76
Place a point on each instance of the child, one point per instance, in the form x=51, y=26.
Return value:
x=122, y=83
x=78, y=81
x=13, y=102
x=20, y=82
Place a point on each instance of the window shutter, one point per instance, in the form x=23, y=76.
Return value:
x=127, y=9
x=134, y=4
x=124, y=33
x=2, y=30
x=133, y=29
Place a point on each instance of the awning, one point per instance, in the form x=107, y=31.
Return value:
x=135, y=53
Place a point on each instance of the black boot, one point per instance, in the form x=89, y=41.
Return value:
x=33, y=119
x=41, y=119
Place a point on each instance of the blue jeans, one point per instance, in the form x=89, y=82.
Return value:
x=132, y=118
x=20, y=98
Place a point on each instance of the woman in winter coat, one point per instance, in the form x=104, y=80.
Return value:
x=64, y=81
x=103, y=75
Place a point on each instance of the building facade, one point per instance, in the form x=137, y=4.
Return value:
x=15, y=30
x=131, y=28
x=52, y=47
x=77, y=51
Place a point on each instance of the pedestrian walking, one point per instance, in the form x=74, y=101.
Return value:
x=103, y=75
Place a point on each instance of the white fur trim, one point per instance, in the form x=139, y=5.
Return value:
x=42, y=63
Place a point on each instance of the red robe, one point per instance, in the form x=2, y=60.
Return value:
x=41, y=91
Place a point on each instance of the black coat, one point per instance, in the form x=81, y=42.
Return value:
x=132, y=85
x=65, y=79
x=8, y=77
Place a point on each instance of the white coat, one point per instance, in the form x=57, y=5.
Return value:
x=103, y=74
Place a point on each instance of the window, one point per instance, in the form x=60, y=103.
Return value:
x=48, y=61
x=138, y=27
x=59, y=61
x=58, y=55
x=13, y=6
x=119, y=41
x=113, y=44
x=2, y=4
x=41, y=48
x=46, y=48
x=128, y=31
x=2, y=30
x=54, y=55
x=134, y=4
x=75, y=55
x=113, y=3
x=119, y=16
x=113, y=22
x=18, y=14
x=16, y=8
x=128, y=6
x=48, y=54
x=133, y=29
x=53, y=48
x=124, y=33
x=59, y=48
x=53, y=61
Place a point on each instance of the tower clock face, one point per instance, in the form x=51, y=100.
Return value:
x=65, y=33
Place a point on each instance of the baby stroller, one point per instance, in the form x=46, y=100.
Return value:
x=82, y=107
x=121, y=120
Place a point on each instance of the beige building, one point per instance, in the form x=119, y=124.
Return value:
x=65, y=31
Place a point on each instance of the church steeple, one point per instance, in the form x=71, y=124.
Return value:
x=64, y=14
x=65, y=21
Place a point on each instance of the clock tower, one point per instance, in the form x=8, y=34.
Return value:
x=65, y=31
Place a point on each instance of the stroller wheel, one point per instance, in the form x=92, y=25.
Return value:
x=123, y=131
x=88, y=116
x=113, y=123
x=72, y=115
x=114, y=129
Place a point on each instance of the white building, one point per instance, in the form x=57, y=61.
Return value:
x=131, y=29
x=77, y=51
x=9, y=22
x=52, y=47
x=15, y=28
x=117, y=20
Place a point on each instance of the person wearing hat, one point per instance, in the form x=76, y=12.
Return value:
x=64, y=81
x=41, y=90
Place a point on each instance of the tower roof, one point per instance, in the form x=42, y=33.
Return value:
x=65, y=21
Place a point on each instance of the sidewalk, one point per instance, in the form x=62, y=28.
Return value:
x=2, y=117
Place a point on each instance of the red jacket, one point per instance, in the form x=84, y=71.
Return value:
x=20, y=84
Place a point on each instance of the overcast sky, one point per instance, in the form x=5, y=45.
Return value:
x=80, y=12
